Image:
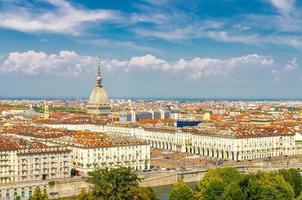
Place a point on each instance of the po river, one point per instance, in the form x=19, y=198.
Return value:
x=162, y=192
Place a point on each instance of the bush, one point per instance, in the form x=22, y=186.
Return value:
x=51, y=183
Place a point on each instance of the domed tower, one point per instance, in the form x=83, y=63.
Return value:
x=98, y=103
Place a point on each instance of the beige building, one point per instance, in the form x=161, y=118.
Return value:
x=22, y=161
x=8, y=165
x=92, y=150
x=98, y=103
x=244, y=143
x=230, y=142
x=43, y=163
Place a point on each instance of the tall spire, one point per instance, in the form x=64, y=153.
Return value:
x=99, y=79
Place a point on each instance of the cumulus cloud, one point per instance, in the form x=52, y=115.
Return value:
x=64, y=18
x=71, y=63
x=32, y=62
x=147, y=60
x=196, y=67
x=202, y=67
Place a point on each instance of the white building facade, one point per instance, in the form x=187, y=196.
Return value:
x=86, y=160
x=209, y=145
x=21, y=165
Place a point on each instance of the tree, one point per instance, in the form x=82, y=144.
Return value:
x=39, y=195
x=236, y=190
x=272, y=186
x=143, y=193
x=181, y=191
x=84, y=195
x=215, y=181
x=117, y=184
x=293, y=177
x=249, y=185
x=214, y=190
x=300, y=197
x=230, y=184
x=51, y=183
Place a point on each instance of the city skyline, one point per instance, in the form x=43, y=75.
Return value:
x=151, y=49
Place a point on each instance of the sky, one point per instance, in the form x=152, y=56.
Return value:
x=151, y=48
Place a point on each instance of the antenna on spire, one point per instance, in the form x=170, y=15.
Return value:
x=99, y=79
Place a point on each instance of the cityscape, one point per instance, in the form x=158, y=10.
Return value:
x=150, y=100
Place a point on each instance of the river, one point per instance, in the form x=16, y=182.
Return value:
x=162, y=192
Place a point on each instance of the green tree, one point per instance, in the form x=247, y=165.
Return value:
x=230, y=184
x=272, y=186
x=237, y=190
x=214, y=190
x=39, y=195
x=249, y=185
x=116, y=184
x=51, y=183
x=181, y=191
x=293, y=177
x=143, y=193
x=84, y=195
x=215, y=181
x=300, y=197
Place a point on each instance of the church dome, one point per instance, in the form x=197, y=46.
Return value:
x=98, y=97
x=98, y=103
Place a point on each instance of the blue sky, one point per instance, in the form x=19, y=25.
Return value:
x=158, y=48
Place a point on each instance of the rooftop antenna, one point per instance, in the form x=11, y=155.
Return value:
x=99, y=79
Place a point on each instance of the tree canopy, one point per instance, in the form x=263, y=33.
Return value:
x=230, y=184
x=39, y=195
x=118, y=184
x=293, y=177
x=217, y=184
x=181, y=191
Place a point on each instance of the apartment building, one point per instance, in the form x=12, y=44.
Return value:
x=22, y=160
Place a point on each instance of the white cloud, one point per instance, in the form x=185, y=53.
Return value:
x=64, y=18
x=173, y=24
x=119, y=44
x=174, y=31
x=281, y=28
x=147, y=60
x=288, y=19
x=32, y=62
x=220, y=31
x=292, y=65
x=284, y=6
x=204, y=67
x=196, y=67
x=73, y=64
x=288, y=69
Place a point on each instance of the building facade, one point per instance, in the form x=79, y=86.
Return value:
x=241, y=144
x=36, y=162
x=91, y=150
x=43, y=163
